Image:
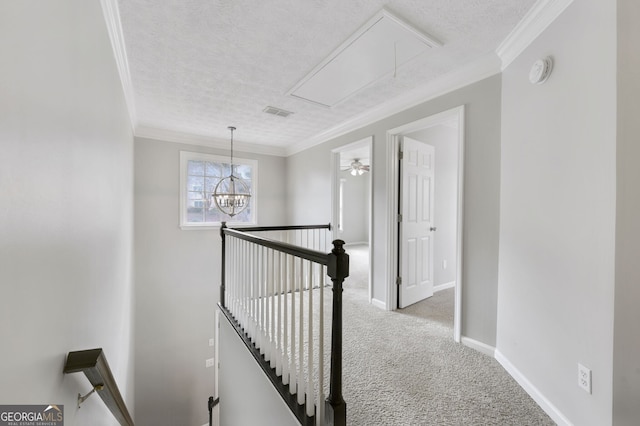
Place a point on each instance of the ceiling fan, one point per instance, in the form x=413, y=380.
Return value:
x=357, y=168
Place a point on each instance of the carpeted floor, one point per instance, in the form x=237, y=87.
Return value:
x=403, y=367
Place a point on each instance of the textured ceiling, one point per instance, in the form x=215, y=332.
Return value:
x=198, y=66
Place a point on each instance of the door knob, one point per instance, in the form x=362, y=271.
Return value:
x=433, y=228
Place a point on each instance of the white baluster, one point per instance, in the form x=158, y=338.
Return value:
x=310, y=390
x=236, y=280
x=246, y=285
x=229, y=276
x=265, y=301
x=242, y=254
x=255, y=280
x=278, y=297
x=272, y=323
x=320, y=396
x=285, y=323
x=301, y=337
x=292, y=363
x=260, y=336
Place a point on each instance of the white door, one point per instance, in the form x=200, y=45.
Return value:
x=416, y=222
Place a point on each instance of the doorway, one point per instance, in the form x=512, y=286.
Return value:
x=447, y=263
x=352, y=199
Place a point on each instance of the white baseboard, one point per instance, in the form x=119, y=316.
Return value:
x=379, y=304
x=533, y=392
x=357, y=243
x=478, y=346
x=444, y=286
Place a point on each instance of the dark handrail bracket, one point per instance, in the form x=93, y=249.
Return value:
x=82, y=399
x=211, y=404
x=94, y=365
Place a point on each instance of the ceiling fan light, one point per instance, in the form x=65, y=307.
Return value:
x=354, y=172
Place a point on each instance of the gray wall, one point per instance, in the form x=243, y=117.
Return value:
x=66, y=206
x=557, y=215
x=309, y=195
x=445, y=141
x=177, y=284
x=356, y=206
x=247, y=397
x=626, y=350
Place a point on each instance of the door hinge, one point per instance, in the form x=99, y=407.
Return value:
x=399, y=218
x=398, y=280
x=400, y=155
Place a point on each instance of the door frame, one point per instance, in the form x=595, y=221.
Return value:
x=393, y=146
x=335, y=193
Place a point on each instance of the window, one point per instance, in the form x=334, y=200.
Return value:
x=199, y=175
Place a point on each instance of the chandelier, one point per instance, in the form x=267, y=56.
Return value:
x=231, y=195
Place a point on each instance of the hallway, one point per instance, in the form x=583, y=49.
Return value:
x=403, y=367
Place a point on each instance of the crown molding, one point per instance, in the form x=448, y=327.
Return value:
x=155, y=133
x=541, y=15
x=114, y=27
x=484, y=67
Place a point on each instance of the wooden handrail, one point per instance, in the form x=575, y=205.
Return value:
x=282, y=228
x=312, y=255
x=94, y=365
x=304, y=253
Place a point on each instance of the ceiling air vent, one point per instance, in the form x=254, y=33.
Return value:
x=277, y=111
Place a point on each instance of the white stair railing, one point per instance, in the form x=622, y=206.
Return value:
x=275, y=293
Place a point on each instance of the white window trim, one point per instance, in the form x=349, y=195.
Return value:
x=185, y=156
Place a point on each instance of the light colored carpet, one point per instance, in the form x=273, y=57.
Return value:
x=403, y=367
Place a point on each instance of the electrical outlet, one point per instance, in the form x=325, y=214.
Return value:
x=211, y=342
x=444, y=264
x=209, y=362
x=584, y=378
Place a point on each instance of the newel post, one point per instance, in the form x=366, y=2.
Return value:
x=222, y=266
x=338, y=270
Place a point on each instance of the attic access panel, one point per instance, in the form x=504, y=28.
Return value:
x=378, y=48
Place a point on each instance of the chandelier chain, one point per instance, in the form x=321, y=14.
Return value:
x=232, y=129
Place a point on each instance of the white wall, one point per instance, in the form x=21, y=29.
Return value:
x=626, y=355
x=557, y=212
x=177, y=284
x=444, y=139
x=247, y=397
x=66, y=206
x=309, y=195
x=356, y=206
